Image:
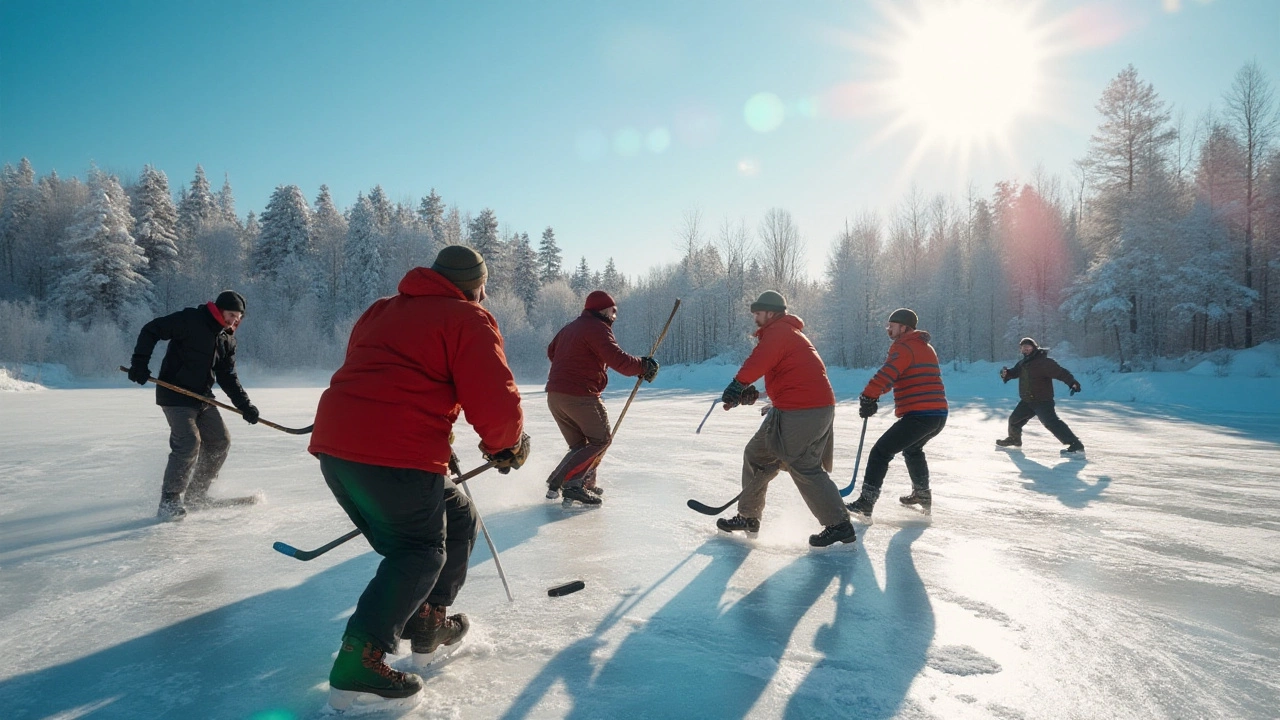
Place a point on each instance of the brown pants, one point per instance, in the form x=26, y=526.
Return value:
x=802, y=442
x=585, y=426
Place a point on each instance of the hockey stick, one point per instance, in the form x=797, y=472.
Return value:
x=845, y=492
x=714, y=403
x=304, y=555
x=708, y=510
x=652, y=351
x=211, y=401
x=493, y=550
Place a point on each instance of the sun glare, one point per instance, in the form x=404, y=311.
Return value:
x=965, y=71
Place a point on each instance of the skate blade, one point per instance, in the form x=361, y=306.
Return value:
x=430, y=662
x=553, y=494
x=352, y=703
x=571, y=504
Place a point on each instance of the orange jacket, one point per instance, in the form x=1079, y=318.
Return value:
x=414, y=360
x=579, y=354
x=912, y=371
x=794, y=376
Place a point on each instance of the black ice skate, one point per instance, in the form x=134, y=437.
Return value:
x=586, y=497
x=171, y=508
x=921, y=499
x=1076, y=448
x=362, y=680
x=861, y=507
x=737, y=523
x=843, y=532
x=430, y=631
x=1010, y=442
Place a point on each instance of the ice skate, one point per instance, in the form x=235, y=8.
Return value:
x=1075, y=449
x=362, y=682
x=831, y=534
x=578, y=494
x=919, y=499
x=737, y=523
x=171, y=508
x=433, y=635
x=1010, y=443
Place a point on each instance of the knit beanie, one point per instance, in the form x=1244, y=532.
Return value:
x=599, y=300
x=1029, y=341
x=463, y=266
x=771, y=301
x=231, y=300
x=903, y=316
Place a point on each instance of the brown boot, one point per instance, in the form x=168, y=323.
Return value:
x=429, y=628
x=361, y=668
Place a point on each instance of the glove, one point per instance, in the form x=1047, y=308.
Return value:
x=1004, y=373
x=1075, y=387
x=648, y=368
x=511, y=458
x=454, y=466
x=732, y=395
x=749, y=395
x=250, y=414
x=140, y=374
x=867, y=406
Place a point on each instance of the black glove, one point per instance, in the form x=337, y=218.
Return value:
x=1004, y=374
x=250, y=414
x=868, y=406
x=1075, y=387
x=511, y=458
x=749, y=395
x=140, y=374
x=648, y=368
x=732, y=395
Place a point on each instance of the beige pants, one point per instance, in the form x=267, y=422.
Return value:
x=802, y=442
x=584, y=423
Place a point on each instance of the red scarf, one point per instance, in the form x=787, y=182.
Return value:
x=217, y=315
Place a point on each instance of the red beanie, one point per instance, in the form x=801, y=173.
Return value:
x=599, y=300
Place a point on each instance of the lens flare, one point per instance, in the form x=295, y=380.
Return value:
x=764, y=112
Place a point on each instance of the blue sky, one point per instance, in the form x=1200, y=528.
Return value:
x=607, y=121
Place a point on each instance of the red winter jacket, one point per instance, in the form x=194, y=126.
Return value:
x=912, y=371
x=794, y=376
x=579, y=354
x=414, y=360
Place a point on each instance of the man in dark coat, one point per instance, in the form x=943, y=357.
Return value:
x=202, y=349
x=581, y=354
x=1036, y=372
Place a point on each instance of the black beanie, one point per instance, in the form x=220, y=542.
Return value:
x=1029, y=341
x=231, y=300
x=904, y=316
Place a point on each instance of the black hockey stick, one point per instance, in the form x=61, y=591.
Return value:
x=304, y=555
x=846, y=491
x=714, y=403
x=708, y=510
x=211, y=401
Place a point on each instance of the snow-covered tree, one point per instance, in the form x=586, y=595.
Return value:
x=581, y=279
x=525, y=280
x=611, y=280
x=329, y=236
x=483, y=235
x=364, y=266
x=227, y=203
x=155, y=222
x=549, y=258
x=18, y=214
x=103, y=262
x=197, y=208
x=285, y=241
x=431, y=211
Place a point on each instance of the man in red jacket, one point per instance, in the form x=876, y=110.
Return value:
x=581, y=354
x=920, y=402
x=796, y=432
x=382, y=432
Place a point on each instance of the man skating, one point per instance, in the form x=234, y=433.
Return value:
x=202, y=349
x=919, y=401
x=581, y=354
x=797, y=431
x=382, y=432
x=1036, y=372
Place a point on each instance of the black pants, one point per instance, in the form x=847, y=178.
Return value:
x=1042, y=409
x=907, y=436
x=423, y=527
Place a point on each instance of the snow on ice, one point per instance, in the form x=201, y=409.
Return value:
x=1139, y=582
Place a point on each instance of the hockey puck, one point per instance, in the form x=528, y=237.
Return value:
x=565, y=589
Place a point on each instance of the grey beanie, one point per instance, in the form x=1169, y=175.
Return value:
x=903, y=316
x=463, y=266
x=770, y=300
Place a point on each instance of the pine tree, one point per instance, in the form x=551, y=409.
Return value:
x=612, y=280
x=227, y=203
x=17, y=215
x=285, y=242
x=483, y=233
x=364, y=265
x=382, y=210
x=102, y=259
x=581, y=280
x=155, y=222
x=549, y=258
x=329, y=237
x=431, y=211
x=524, y=271
x=197, y=208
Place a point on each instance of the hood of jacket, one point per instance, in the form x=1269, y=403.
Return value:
x=422, y=281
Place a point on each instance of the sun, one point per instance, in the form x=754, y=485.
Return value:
x=964, y=72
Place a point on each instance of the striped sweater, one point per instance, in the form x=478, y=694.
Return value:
x=912, y=372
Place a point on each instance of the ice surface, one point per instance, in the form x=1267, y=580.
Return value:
x=1139, y=582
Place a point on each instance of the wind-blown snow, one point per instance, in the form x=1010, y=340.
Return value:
x=1139, y=582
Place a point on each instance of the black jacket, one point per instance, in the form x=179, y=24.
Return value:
x=200, y=351
x=1036, y=373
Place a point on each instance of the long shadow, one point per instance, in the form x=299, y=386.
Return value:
x=66, y=525
x=876, y=644
x=1061, y=481
x=269, y=653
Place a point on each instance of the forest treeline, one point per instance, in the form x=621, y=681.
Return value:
x=1163, y=240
